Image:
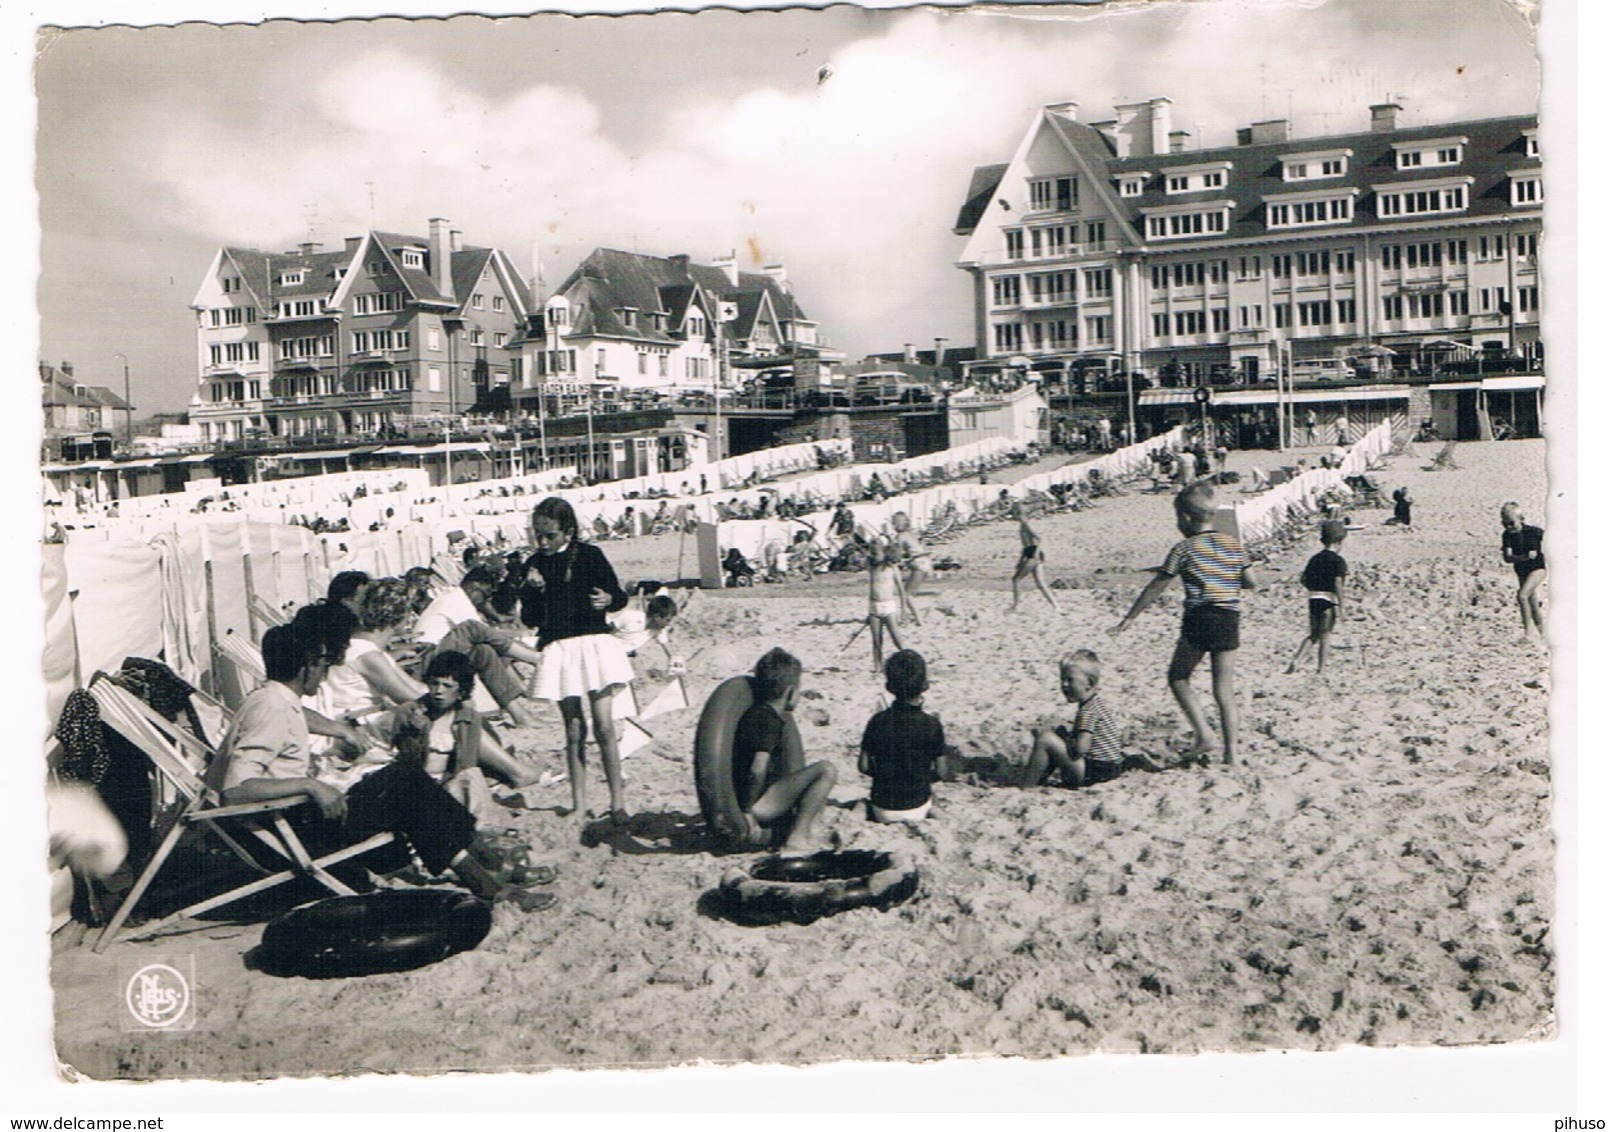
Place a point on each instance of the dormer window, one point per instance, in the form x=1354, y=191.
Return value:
x=411, y=257
x=291, y=278
x=1132, y=185
x=1430, y=153
x=1317, y=165
x=1198, y=178
x=1305, y=210
x=629, y=317
x=1525, y=186
x=1451, y=195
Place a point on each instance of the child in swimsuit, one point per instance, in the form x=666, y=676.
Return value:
x=887, y=597
x=1030, y=563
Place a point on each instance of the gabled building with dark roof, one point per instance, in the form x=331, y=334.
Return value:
x=393, y=327
x=622, y=320
x=1114, y=243
x=72, y=407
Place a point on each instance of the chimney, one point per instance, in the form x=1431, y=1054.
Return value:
x=1143, y=129
x=442, y=277
x=1180, y=140
x=908, y=353
x=67, y=369
x=776, y=272
x=730, y=266
x=1382, y=117
x=351, y=244
x=1270, y=132
x=455, y=242
x=1067, y=110
x=306, y=249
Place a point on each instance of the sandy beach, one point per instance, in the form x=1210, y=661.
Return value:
x=1377, y=870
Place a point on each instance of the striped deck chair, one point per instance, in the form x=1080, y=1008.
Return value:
x=181, y=759
x=243, y=656
x=263, y=613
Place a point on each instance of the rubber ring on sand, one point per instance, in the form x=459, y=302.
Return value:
x=800, y=890
x=393, y=930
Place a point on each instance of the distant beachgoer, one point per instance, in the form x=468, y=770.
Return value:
x=1401, y=507
x=1324, y=580
x=1214, y=569
x=1342, y=430
x=1312, y=427
x=1522, y=548
x=1030, y=563
x=916, y=557
x=888, y=599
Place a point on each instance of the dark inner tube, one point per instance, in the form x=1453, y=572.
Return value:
x=850, y=864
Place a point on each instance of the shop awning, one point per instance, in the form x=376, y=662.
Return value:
x=1166, y=397
x=1512, y=383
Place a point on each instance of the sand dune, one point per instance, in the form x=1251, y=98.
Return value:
x=1377, y=870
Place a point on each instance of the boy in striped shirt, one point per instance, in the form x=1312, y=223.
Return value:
x=1089, y=750
x=1214, y=569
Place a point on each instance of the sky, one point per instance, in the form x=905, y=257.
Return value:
x=670, y=133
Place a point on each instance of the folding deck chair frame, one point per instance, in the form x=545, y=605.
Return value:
x=181, y=759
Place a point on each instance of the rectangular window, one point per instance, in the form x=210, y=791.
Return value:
x=1132, y=186
x=1160, y=275
x=1007, y=337
x=215, y=355
x=411, y=258
x=1037, y=242
x=1054, y=194
x=291, y=278
x=476, y=302
x=643, y=360
x=1528, y=299
x=1007, y=290
x=433, y=340
x=474, y=335
x=1190, y=322
x=1177, y=184
x=230, y=285
x=1217, y=271
x=1214, y=179
x=1161, y=323
x=498, y=337
x=1249, y=317
x=1525, y=247
x=1283, y=265
x=1250, y=267
x=1458, y=302
x=1415, y=202
x=1096, y=232
x=434, y=379
x=1097, y=282
x=1410, y=159
x=1390, y=257
x=1392, y=305
x=1333, y=167
x=1219, y=320
x=1098, y=328
x=1345, y=311
x=1181, y=224
x=1312, y=313
x=1457, y=251
x=1311, y=263
x=1345, y=261
x=1281, y=315
x=1014, y=243
x=661, y=365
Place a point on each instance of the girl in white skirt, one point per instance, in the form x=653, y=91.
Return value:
x=569, y=590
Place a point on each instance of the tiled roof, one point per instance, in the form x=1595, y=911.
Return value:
x=609, y=281
x=983, y=183
x=1495, y=146
x=61, y=390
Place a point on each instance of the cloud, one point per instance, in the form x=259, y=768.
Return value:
x=853, y=182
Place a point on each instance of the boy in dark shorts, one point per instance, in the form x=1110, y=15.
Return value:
x=1522, y=548
x=1089, y=749
x=1323, y=578
x=766, y=794
x=903, y=750
x=1214, y=569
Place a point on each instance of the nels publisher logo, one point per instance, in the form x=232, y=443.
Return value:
x=158, y=997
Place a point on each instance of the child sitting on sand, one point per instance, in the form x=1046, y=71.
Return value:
x=1214, y=569
x=903, y=750
x=637, y=628
x=1323, y=578
x=1089, y=750
x=766, y=794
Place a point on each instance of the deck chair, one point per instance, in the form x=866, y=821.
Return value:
x=1445, y=460
x=181, y=759
x=1259, y=482
x=263, y=613
x=244, y=656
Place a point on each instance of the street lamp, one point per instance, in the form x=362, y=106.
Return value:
x=128, y=409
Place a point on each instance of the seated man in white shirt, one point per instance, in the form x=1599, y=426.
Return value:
x=265, y=756
x=453, y=622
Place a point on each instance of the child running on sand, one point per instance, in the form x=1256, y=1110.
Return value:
x=888, y=599
x=570, y=589
x=1214, y=569
x=1522, y=548
x=1030, y=563
x=1324, y=579
x=903, y=750
x=1090, y=749
x=765, y=793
